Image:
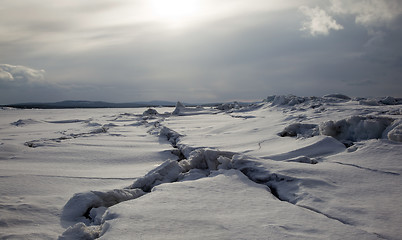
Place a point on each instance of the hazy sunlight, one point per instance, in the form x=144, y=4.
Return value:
x=175, y=13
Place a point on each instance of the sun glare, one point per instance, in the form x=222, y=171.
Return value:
x=174, y=13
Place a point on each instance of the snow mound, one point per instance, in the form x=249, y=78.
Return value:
x=23, y=122
x=179, y=108
x=391, y=101
x=300, y=130
x=356, y=128
x=172, y=170
x=353, y=129
x=102, y=129
x=394, y=132
x=150, y=112
x=380, y=101
x=204, y=158
x=324, y=146
x=228, y=106
x=303, y=159
x=182, y=110
x=81, y=231
x=295, y=102
x=301, y=103
x=338, y=96
x=167, y=172
x=289, y=100
x=80, y=205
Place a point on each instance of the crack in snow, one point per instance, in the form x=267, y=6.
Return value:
x=366, y=168
x=46, y=141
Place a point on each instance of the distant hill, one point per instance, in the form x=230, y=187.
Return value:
x=90, y=104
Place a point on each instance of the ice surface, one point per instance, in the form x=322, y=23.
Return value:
x=287, y=168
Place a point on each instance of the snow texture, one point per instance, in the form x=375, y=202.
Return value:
x=279, y=169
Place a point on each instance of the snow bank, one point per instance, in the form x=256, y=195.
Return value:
x=356, y=128
x=323, y=146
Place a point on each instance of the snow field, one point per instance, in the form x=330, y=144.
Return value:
x=286, y=168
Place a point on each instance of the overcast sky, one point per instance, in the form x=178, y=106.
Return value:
x=198, y=50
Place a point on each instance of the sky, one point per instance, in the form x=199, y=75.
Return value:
x=198, y=50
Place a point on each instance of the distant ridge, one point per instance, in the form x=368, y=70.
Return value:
x=90, y=104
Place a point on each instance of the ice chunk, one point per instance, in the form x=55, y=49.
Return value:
x=179, y=108
x=391, y=101
x=289, y=100
x=300, y=129
x=82, y=203
x=356, y=128
x=394, y=132
x=168, y=171
x=81, y=231
x=303, y=159
x=206, y=159
x=229, y=106
x=150, y=112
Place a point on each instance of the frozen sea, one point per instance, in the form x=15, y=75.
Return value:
x=285, y=168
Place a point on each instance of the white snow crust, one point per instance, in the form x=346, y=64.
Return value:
x=288, y=167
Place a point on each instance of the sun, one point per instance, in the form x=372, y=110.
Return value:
x=174, y=13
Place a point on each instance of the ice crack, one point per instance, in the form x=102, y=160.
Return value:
x=366, y=168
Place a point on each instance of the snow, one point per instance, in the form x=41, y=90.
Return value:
x=225, y=205
x=288, y=167
x=356, y=128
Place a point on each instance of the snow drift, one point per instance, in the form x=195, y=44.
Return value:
x=357, y=128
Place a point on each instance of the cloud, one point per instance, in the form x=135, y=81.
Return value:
x=318, y=22
x=369, y=13
x=11, y=73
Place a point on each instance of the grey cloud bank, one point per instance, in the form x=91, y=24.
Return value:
x=116, y=51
